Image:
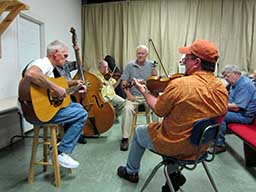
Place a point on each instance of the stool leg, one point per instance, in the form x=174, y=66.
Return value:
x=61, y=131
x=33, y=154
x=60, y=135
x=147, y=111
x=45, y=147
x=134, y=122
x=55, y=156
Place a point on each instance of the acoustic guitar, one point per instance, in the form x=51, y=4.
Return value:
x=44, y=103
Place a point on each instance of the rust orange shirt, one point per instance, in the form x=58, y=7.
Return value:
x=184, y=101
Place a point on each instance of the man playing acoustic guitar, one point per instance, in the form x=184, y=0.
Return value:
x=39, y=76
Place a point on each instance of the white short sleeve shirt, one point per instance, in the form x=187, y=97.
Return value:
x=45, y=65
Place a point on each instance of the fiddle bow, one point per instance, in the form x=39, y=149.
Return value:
x=157, y=84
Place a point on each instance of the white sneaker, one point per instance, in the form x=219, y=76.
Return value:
x=66, y=161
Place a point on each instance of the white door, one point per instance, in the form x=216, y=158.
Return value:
x=31, y=45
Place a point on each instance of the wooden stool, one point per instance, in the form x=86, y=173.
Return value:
x=142, y=110
x=55, y=129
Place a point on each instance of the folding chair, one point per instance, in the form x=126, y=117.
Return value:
x=204, y=131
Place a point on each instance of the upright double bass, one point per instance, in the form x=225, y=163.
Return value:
x=101, y=114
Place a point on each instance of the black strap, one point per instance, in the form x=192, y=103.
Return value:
x=25, y=69
x=24, y=102
x=56, y=73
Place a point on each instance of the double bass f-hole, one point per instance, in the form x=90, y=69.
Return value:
x=97, y=101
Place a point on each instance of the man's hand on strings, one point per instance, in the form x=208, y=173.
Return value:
x=61, y=92
x=140, y=85
x=83, y=88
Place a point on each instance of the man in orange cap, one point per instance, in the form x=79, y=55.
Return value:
x=196, y=96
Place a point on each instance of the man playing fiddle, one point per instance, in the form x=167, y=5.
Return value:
x=141, y=69
x=116, y=74
x=108, y=87
x=185, y=100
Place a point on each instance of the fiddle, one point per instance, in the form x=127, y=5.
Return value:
x=109, y=75
x=115, y=74
x=155, y=84
x=130, y=83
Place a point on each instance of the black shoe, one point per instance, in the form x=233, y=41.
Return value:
x=177, y=180
x=116, y=121
x=121, y=172
x=220, y=149
x=124, y=144
x=82, y=140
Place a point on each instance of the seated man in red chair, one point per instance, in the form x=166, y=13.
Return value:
x=241, y=103
x=197, y=95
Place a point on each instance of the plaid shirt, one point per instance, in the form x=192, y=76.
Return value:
x=67, y=68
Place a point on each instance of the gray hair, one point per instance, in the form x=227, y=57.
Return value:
x=142, y=47
x=101, y=63
x=231, y=68
x=55, y=45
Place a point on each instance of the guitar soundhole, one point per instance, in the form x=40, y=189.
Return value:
x=53, y=98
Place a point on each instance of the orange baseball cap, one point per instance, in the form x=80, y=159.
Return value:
x=204, y=49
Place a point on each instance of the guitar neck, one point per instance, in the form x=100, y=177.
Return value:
x=73, y=89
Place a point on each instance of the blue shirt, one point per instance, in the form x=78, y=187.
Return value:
x=243, y=94
x=133, y=70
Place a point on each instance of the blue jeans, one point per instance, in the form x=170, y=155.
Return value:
x=140, y=142
x=73, y=117
x=231, y=117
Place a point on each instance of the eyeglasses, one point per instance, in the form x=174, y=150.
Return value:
x=63, y=54
x=187, y=58
x=226, y=75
